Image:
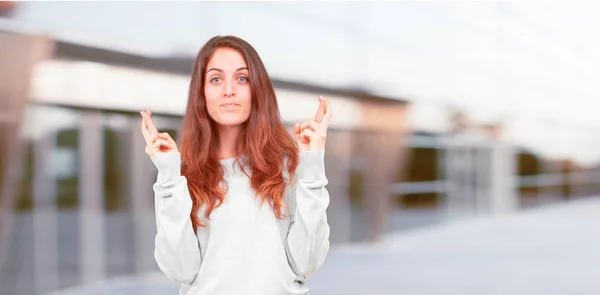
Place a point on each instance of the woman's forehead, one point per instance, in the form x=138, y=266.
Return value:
x=226, y=59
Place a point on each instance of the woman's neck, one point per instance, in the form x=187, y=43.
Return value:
x=228, y=136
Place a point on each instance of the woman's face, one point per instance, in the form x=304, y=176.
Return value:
x=227, y=88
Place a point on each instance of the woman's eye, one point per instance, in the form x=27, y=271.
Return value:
x=215, y=80
x=243, y=79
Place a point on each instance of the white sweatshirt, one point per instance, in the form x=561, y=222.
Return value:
x=245, y=249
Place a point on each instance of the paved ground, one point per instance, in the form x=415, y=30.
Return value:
x=550, y=250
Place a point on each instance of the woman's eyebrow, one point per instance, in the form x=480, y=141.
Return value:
x=219, y=70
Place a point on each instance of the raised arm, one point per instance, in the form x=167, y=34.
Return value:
x=307, y=241
x=176, y=249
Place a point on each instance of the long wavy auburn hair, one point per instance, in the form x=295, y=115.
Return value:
x=264, y=142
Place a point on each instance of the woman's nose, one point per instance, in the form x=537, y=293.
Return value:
x=229, y=90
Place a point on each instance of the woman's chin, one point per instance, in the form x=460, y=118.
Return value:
x=231, y=122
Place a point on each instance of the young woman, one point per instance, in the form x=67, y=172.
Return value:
x=241, y=208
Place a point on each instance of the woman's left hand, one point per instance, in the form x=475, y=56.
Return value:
x=312, y=134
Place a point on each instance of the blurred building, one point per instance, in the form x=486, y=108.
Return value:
x=76, y=204
x=78, y=192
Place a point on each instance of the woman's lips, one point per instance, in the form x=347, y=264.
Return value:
x=230, y=106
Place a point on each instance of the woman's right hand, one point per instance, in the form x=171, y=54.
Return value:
x=155, y=142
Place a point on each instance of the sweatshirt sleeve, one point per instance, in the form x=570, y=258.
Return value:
x=307, y=242
x=176, y=248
